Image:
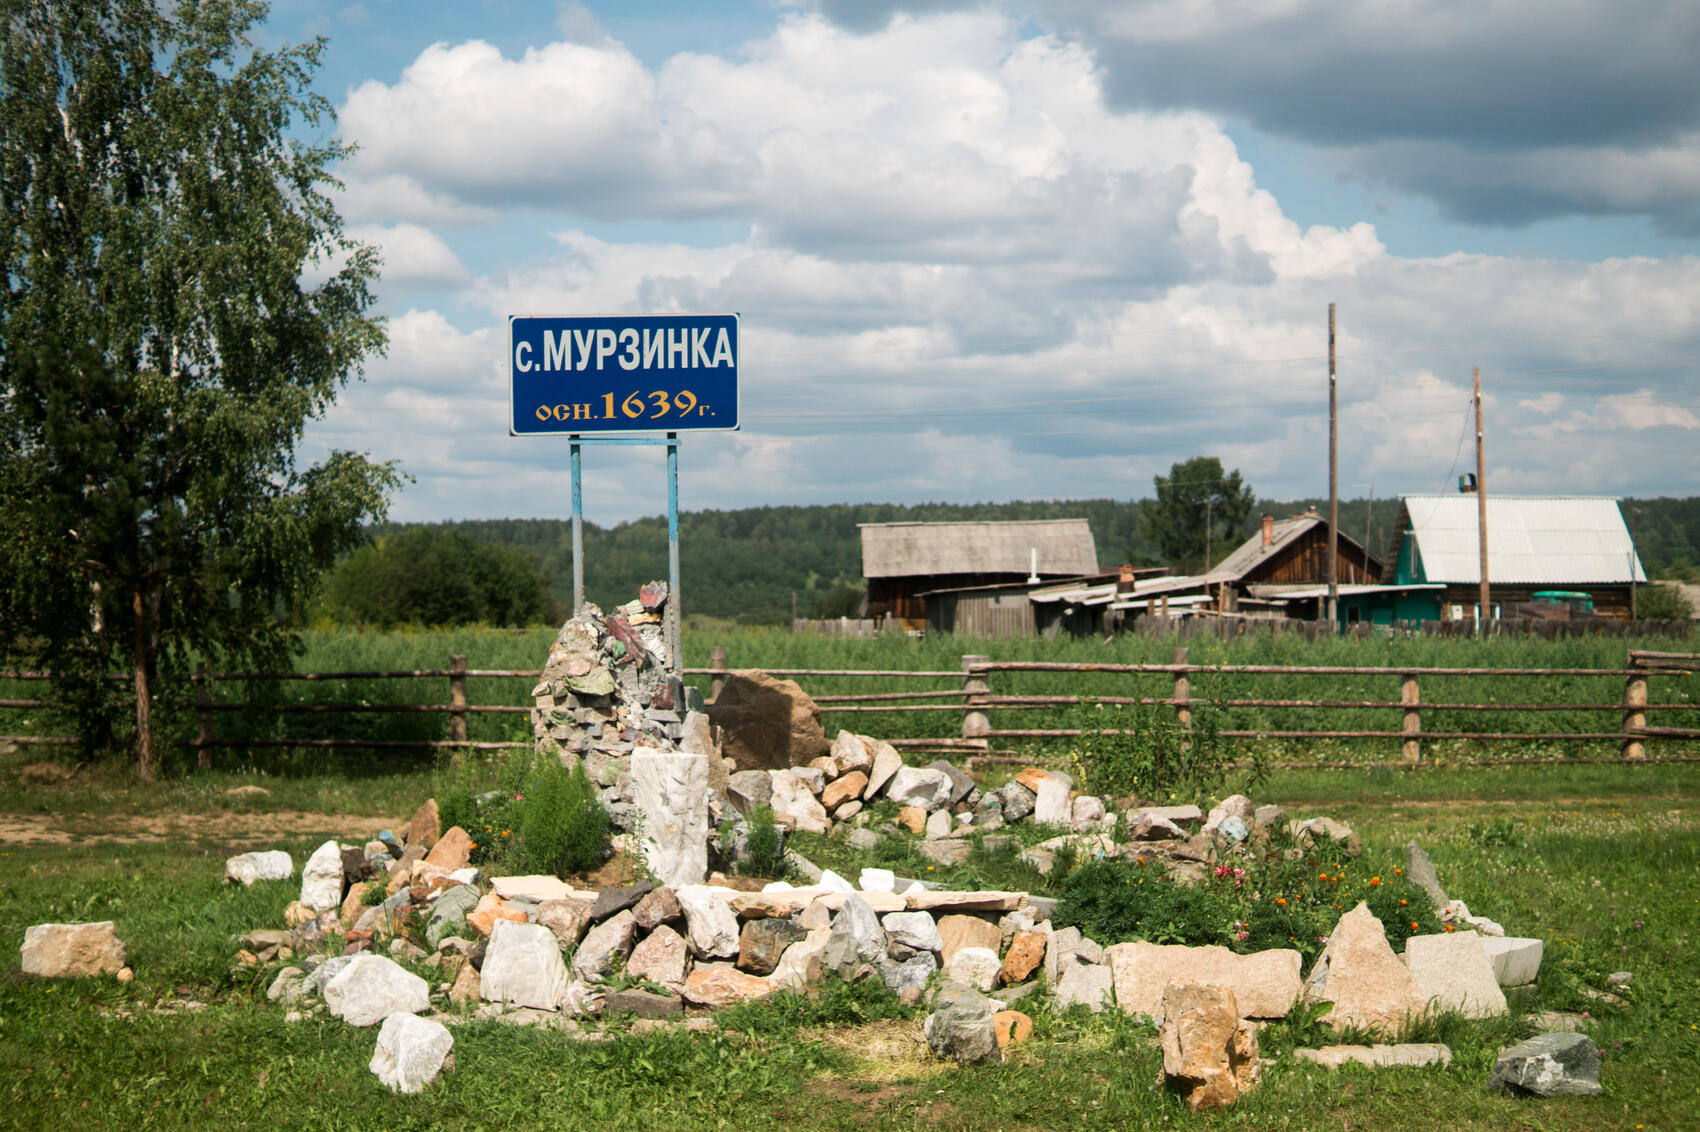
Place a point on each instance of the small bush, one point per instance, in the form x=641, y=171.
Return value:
x=541, y=817
x=766, y=845
x=1140, y=750
x=1251, y=902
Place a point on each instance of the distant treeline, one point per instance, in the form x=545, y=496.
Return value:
x=750, y=564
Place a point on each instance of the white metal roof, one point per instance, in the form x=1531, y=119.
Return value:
x=1535, y=540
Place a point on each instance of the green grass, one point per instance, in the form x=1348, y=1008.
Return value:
x=1609, y=876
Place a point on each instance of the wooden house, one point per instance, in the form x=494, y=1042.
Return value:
x=905, y=562
x=1568, y=543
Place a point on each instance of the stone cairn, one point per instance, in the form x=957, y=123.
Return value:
x=608, y=688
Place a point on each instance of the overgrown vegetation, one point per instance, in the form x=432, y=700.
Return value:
x=1279, y=893
x=538, y=817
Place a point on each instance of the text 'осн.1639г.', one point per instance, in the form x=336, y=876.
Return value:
x=623, y=373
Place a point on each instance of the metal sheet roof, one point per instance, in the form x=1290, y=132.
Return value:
x=1065, y=548
x=1534, y=540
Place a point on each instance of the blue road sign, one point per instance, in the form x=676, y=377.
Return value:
x=622, y=373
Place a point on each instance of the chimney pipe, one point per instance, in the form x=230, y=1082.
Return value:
x=1268, y=529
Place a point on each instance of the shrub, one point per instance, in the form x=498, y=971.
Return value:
x=542, y=817
x=1250, y=902
x=1141, y=750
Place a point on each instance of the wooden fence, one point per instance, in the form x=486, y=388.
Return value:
x=969, y=698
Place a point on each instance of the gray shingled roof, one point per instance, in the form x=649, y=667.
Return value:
x=901, y=550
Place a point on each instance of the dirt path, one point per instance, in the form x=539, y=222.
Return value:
x=224, y=826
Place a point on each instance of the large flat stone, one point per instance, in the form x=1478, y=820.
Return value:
x=1378, y=1056
x=1453, y=972
x=671, y=792
x=927, y=900
x=1265, y=983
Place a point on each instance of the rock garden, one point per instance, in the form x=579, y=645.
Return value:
x=659, y=870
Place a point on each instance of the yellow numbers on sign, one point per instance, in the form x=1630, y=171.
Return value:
x=633, y=407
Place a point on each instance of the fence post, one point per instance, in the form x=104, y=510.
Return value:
x=1183, y=698
x=203, y=717
x=1634, y=712
x=717, y=681
x=1411, y=747
x=975, y=724
x=457, y=703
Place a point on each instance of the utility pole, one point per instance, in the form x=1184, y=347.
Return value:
x=1486, y=610
x=1207, y=524
x=1333, y=480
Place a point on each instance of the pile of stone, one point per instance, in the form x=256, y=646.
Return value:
x=608, y=687
x=404, y=926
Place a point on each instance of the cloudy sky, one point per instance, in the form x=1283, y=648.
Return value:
x=1040, y=249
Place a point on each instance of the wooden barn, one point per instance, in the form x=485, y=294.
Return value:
x=1573, y=544
x=903, y=562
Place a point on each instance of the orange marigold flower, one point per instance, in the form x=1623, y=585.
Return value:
x=1281, y=900
x=1413, y=925
x=1448, y=927
x=1398, y=872
x=1402, y=903
x=1373, y=881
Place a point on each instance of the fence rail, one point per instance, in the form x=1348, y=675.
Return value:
x=969, y=696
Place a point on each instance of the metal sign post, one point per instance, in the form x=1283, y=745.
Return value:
x=621, y=375
x=675, y=646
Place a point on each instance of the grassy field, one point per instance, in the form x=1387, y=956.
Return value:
x=339, y=650
x=1601, y=862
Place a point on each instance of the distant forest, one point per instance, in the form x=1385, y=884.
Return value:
x=750, y=565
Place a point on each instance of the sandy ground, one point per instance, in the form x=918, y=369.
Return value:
x=132, y=829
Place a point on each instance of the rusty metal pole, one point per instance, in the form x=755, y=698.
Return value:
x=1481, y=505
x=1333, y=481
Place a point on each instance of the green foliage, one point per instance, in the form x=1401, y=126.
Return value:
x=1199, y=507
x=833, y=1003
x=1142, y=751
x=764, y=854
x=179, y=301
x=437, y=576
x=1663, y=603
x=540, y=817
x=1248, y=902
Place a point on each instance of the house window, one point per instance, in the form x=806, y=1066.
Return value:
x=1353, y=615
